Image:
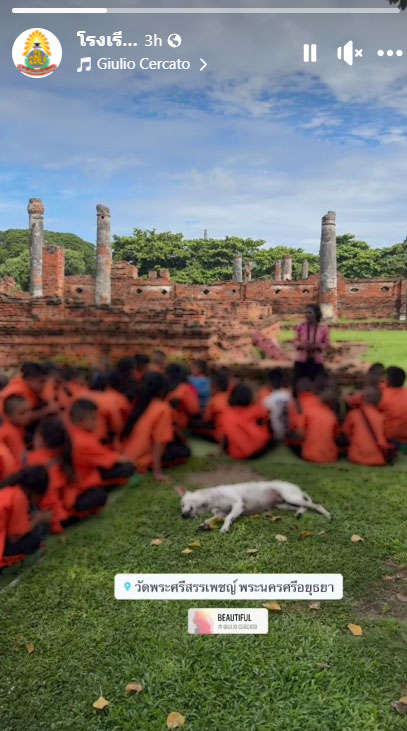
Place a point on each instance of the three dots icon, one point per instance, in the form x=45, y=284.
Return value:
x=390, y=53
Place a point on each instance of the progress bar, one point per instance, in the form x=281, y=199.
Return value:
x=217, y=11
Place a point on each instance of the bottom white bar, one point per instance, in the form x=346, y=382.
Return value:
x=227, y=621
x=223, y=587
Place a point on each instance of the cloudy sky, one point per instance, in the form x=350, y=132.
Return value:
x=258, y=144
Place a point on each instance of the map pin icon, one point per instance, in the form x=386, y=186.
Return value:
x=127, y=585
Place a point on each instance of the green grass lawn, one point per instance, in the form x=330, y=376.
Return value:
x=388, y=347
x=88, y=644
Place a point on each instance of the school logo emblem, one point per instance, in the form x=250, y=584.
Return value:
x=37, y=53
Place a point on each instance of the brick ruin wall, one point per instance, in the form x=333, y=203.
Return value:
x=213, y=321
x=357, y=298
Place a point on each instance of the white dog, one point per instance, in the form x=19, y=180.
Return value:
x=246, y=498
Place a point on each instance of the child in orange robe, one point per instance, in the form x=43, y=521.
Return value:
x=209, y=427
x=305, y=400
x=149, y=439
x=53, y=450
x=393, y=406
x=12, y=430
x=96, y=466
x=114, y=408
x=21, y=532
x=375, y=378
x=321, y=430
x=182, y=397
x=29, y=385
x=242, y=425
x=364, y=428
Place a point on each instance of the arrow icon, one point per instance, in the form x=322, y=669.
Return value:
x=204, y=64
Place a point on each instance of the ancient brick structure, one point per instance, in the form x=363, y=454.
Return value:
x=287, y=268
x=96, y=321
x=103, y=257
x=328, y=290
x=304, y=269
x=36, y=228
x=238, y=269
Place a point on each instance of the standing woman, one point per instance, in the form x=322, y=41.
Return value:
x=311, y=342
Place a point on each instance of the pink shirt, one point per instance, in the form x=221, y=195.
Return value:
x=309, y=334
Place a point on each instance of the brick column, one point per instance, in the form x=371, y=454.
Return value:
x=36, y=226
x=103, y=257
x=305, y=269
x=278, y=270
x=238, y=269
x=328, y=280
x=53, y=279
x=287, y=268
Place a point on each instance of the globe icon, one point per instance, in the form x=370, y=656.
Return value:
x=174, y=40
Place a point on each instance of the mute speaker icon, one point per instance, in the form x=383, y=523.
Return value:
x=347, y=53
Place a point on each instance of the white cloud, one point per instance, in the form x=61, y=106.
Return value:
x=263, y=161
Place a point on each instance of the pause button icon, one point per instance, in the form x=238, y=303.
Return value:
x=310, y=52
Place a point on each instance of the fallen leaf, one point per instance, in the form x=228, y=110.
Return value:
x=272, y=606
x=63, y=538
x=399, y=707
x=385, y=609
x=346, y=507
x=314, y=605
x=255, y=516
x=213, y=522
x=187, y=550
x=403, y=700
x=268, y=514
x=133, y=687
x=356, y=539
x=322, y=533
x=252, y=551
x=156, y=542
x=402, y=597
x=275, y=518
x=195, y=544
x=388, y=577
x=355, y=629
x=307, y=534
x=30, y=648
x=322, y=665
x=280, y=538
x=175, y=720
x=100, y=704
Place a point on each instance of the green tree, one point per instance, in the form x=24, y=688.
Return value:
x=198, y=261
x=266, y=258
x=402, y=4
x=74, y=263
x=356, y=260
x=392, y=260
x=18, y=267
x=14, y=256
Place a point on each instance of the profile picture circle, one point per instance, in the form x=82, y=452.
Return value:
x=37, y=53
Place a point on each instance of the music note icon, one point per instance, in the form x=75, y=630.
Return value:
x=85, y=64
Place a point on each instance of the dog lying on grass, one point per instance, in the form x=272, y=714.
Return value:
x=246, y=498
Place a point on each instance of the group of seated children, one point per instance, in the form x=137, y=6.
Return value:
x=367, y=427
x=67, y=438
